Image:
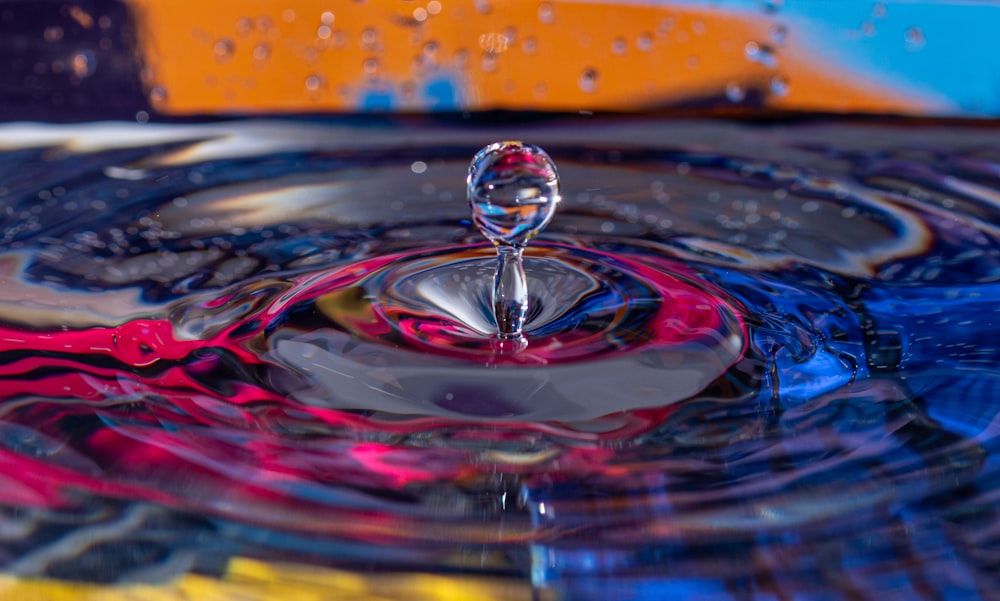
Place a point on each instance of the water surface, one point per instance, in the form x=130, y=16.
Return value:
x=761, y=359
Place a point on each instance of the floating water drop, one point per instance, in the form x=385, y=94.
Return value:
x=513, y=192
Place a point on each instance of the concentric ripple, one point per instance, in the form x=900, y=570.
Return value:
x=761, y=361
x=412, y=334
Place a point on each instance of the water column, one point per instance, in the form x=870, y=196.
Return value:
x=513, y=192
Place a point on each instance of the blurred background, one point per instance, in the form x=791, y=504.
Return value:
x=150, y=59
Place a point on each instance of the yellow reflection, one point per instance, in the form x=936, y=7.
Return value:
x=251, y=580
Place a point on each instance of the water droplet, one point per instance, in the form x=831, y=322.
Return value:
x=158, y=95
x=513, y=190
x=914, y=38
x=735, y=92
x=529, y=45
x=261, y=52
x=619, y=46
x=588, y=80
x=773, y=6
x=761, y=54
x=420, y=14
x=323, y=32
x=83, y=64
x=52, y=34
x=779, y=86
x=489, y=62
x=327, y=18
x=779, y=35
x=314, y=83
x=546, y=14
x=644, y=42
x=434, y=7
x=370, y=66
x=244, y=26
x=223, y=49
x=369, y=38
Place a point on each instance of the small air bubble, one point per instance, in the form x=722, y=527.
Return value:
x=619, y=46
x=420, y=14
x=434, y=7
x=588, y=80
x=326, y=18
x=644, y=42
x=418, y=167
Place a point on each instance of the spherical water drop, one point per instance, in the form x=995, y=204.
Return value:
x=513, y=191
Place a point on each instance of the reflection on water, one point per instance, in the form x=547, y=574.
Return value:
x=762, y=359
